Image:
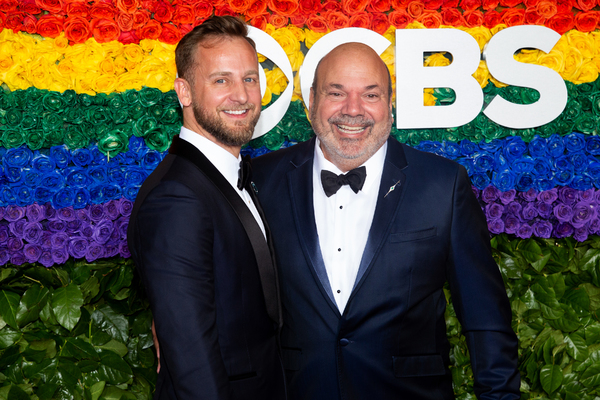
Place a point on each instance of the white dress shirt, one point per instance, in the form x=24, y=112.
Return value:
x=343, y=222
x=226, y=163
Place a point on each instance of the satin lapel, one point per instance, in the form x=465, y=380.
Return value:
x=262, y=252
x=388, y=202
x=301, y=194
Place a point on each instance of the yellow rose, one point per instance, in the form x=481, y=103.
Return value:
x=261, y=58
x=83, y=84
x=573, y=62
x=37, y=73
x=46, y=49
x=16, y=78
x=113, y=49
x=481, y=34
x=587, y=73
x=287, y=40
x=497, y=29
x=63, y=80
x=133, y=52
x=596, y=37
x=529, y=56
x=164, y=53
x=298, y=33
x=120, y=65
x=582, y=42
x=107, y=67
x=6, y=63
x=554, y=60
x=296, y=60
x=390, y=34
x=155, y=73
x=147, y=45
x=428, y=97
x=297, y=95
x=276, y=80
x=128, y=81
x=436, y=60
x=269, y=29
x=482, y=74
x=415, y=25
x=388, y=56
x=61, y=43
x=312, y=37
x=132, y=66
x=105, y=84
x=267, y=97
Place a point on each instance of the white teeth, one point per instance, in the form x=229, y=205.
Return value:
x=239, y=112
x=353, y=129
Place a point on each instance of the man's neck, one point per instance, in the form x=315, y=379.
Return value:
x=234, y=150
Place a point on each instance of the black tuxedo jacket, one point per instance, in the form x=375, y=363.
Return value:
x=204, y=262
x=390, y=342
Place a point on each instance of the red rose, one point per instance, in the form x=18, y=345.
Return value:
x=77, y=29
x=14, y=21
x=316, y=23
x=469, y=5
x=491, y=19
x=531, y=3
x=400, y=18
x=510, y=3
x=473, y=18
x=124, y=21
x=52, y=6
x=490, y=4
x=105, y=30
x=298, y=19
x=331, y=5
x=78, y=10
x=184, y=15
x=452, y=17
x=450, y=4
x=547, y=8
x=561, y=22
x=564, y=6
x=2, y=19
x=586, y=21
x=8, y=6
x=185, y=29
x=29, y=24
x=378, y=6
x=260, y=21
x=415, y=8
x=163, y=12
x=513, y=16
x=354, y=6
x=309, y=7
x=102, y=11
x=140, y=18
x=433, y=4
x=257, y=7
x=128, y=37
x=49, y=26
x=283, y=7
x=148, y=5
x=336, y=20
x=151, y=30
x=585, y=5
x=224, y=9
x=29, y=6
x=239, y=6
x=533, y=17
x=360, y=20
x=170, y=34
x=127, y=6
x=431, y=19
x=278, y=21
x=398, y=4
x=202, y=10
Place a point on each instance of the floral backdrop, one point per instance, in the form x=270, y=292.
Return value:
x=87, y=111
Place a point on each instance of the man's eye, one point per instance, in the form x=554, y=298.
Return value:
x=250, y=80
x=220, y=81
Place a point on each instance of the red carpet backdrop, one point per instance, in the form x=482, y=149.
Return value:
x=87, y=111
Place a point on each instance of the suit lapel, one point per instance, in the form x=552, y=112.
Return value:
x=262, y=252
x=388, y=203
x=301, y=194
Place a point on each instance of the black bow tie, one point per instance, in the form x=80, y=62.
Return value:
x=244, y=173
x=354, y=178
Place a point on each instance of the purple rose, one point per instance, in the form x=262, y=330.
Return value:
x=1, y=209
x=35, y=212
x=583, y=212
x=529, y=212
x=473, y=188
x=124, y=249
x=594, y=226
x=13, y=213
x=59, y=240
x=46, y=240
x=121, y=225
x=514, y=208
x=511, y=224
x=489, y=194
x=14, y=244
x=17, y=258
x=581, y=234
x=46, y=259
x=548, y=196
x=563, y=230
x=86, y=230
x=94, y=251
x=3, y=234
x=103, y=231
x=115, y=236
x=544, y=209
x=587, y=195
x=60, y=255
x=542, y=229
x=32, y=252
x=529, y=195
x=66, y=214
x=4, y=256
x=83, y=214
x=493, y=211
x=563, y=212
x=125, y=206
x=50, y=212
x=525, y=231
x=111, y=249
x=111, y=210
x=508, y=196
x=496, y=226
x=77, y=247
x=96, y=212
x=57, y=225
x=567, y=195
x=32, y=232
x=73, y=226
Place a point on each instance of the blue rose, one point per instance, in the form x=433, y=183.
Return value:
x=96, y=194
x=592, y=145
x=582, y=182
x=136, y=144
x=23, y=195
x=65, y=197
x=500, y=162
x=42, y=195
x=468, y=164
x=503, y=180
x=17, y=157
x=13, y=174
x=563, y=177
x=82, y=198
x=60, y=155
x=467, y=147
x=98, y=173
x=116, y=174
x=480, y=180
x=490, y=147
x=7, y=194
x=81, y=157
x=574, y=142
x=543, y=183
x=127, y=158
x=525, y=182
x=260, y=151
x=579, y=160
x=111, y=191
x=135, y=176
x=43, y=163
x=523, y=164
x=542, y=167
x=562, y=163
x=451, y=149
x=77, y=177
x=52, y=180
x=130, y=192
x=483, y=162
x=593, y=170
x=97, y=157
x=514, y=148
x=556, y=147
x=537, y=147
x=151, y=159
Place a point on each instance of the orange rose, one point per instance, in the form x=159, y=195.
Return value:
x=102, y=11
x=185, y=29
x=510, y=3
x=354, y=6
x=586, y=21
x=151, y=30
x=469, y=5
x=239, y=6
x=283, y=7
x=316, y=23
x=585, y=5
x=77, y=29
x=8, y=6
x=473, y=18
x=400, y=18
x=513, y=16
x=170, y=34
x=52, y=6
x=380, y=23
x=547, y=8
x=202, y=10
x=450, y=4
x=163, y=12
x=398, y=4
x=127, y=6
x=298, y=20
x=140, y=18
x=49, y=26
x=310, y=7
x=29, y=24
x=124, y=21
x=148, y=5
x=533, y=17
x=78, y=10
x=336, y=20
x=257, y=7
x=561, y=22
x=2, y=19
x=260, y=21
x=361, y=20
x=379, y=6
x=431, y=19
x=128, y=37
x=224, y=9
x=183, y=15
x=531, y=3
x=278, y=21
x=415, y=8
x=105, y=30
x=491, y=19
x=433, y=4
x=331, y=5
x=490, y=4
x=29, y=6
x=452, y=17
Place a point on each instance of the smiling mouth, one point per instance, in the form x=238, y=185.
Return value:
x=236, y=112
x=350, y=129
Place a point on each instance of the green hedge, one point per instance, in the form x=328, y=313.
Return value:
x=82, y=330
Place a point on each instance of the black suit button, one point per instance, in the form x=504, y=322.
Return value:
x=344, y=342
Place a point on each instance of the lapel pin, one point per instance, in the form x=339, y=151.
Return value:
x=254, y=187
x=391, y=189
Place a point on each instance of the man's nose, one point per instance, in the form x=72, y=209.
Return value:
x=353, y=105
x=239, y=93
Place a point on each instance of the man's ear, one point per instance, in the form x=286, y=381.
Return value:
x=311, y=99
x=184, y=91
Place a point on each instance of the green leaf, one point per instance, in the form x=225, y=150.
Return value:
x=79, y=349
x=593, y=294
x=9, y=303
x=110, y=321
x=551, y=378
x=113, y=369
x=46, y=391
x=569, y=322
x=576, y=346
x=8, y=337
x=66, y=304
x=115, y=393
x=590, y=259
x=6, y=273
x=578, y=299
x=96, y=389
x=115, y=346
x=90, y=288
x=32, y=302
x=67, y=374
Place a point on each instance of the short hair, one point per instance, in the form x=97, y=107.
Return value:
x=206, y=34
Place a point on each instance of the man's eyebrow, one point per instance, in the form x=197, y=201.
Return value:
x=341, y=87
x=227, y=73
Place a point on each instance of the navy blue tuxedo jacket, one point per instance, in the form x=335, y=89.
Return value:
x=390, y=342
x=199, y=266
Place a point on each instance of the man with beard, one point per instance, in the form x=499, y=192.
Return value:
x=366, y=232
x=197, y=235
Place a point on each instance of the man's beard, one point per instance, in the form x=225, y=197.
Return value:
x=237, y=136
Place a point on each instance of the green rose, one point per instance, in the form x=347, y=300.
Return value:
x=113, y=143
x=144, y=126
x=273, y=140
x=119, y=116
x=586, y=103
x=529, y=96
x=136, y=111
x=257, y=143
x=572, y=110
x=116, y=102
x=156, y=111
x=75, y=115
x=101, y=99
x=97, y=115
x=30, y=96
x=30, y=121
x=172, y=115
x=13, y=117
x=86, y=100
x=77, y=136
x=451, y=134
x=149, y=96
x=157, y=140
x=34, y=139
x=53, y=137
x=170, y=99
x=52, y=122
x=53, y=102
x=400, y=135
x=585, y=124
x=131, y=96
x=12, y=138
x=300, y=131
x=70, y=98
x=596, y=104
x=444, y=96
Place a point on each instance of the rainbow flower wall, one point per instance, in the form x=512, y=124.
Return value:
x=87, y=111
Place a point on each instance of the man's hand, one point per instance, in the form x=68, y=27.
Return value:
x=156, y=346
